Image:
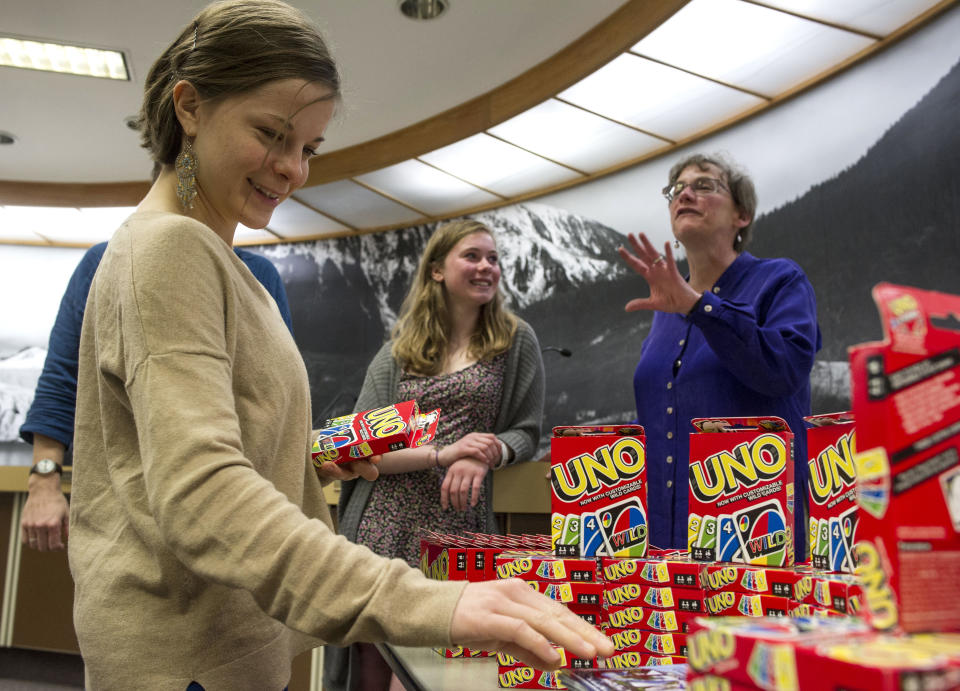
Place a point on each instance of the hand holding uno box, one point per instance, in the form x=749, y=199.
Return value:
x=906, y=398
x=741, y=491
x=361, y=435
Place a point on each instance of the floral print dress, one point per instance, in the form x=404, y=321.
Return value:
x=400, y=505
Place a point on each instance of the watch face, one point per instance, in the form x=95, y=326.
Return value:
x=45, y=467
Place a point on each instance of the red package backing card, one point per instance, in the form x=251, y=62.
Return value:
x=741, y=491
x=599, y=500
x=906, y=398
x=361, y=435
x=833, y=519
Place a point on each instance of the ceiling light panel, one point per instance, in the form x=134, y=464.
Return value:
x=498, y=166
x=430, y=190
x=574, y=137
x=54, y=57
x=41, y=222
x=294, y=220
x=12, y=230
x=879, y=17
x=252, y=236
x=658, y=99
x=749, y=46
x=357, y=206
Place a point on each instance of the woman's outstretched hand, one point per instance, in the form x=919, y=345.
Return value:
x=669, y=292
x=510, y=616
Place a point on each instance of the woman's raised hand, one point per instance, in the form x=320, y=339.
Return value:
x=510, y=616
x=669, y=292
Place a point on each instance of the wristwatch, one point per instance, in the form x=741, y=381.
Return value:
x=46, y=467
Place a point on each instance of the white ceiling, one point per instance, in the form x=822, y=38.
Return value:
x=395, y=71
x=712, y=62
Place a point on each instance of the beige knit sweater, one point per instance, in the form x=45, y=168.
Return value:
x=200, y=543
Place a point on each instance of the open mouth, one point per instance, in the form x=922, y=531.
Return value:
x=265, y=192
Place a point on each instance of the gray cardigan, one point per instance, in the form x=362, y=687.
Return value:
x=518, y=422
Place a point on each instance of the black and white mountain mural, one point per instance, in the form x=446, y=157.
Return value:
x=561, y=273
x=893, y=215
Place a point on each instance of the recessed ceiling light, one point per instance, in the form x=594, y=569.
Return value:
x=423, y=9
x=7, y=138
x=56, y=57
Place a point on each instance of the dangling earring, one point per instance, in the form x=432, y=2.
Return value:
x=739, y=238
x=186, y=166
x=676, y=244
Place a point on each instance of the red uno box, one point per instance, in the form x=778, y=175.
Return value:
x=906, y=398
x=831, y=447
x=582, y=595
x=726, y=603
x=567, y=661
x=524, y=677
x=648, y=642
x=632, y=659
x=545, y=567
x=881, y=663
x=741, y=491
x=840, y=592
x=371, y=432
x=761, y=652
x=650, y=619
x=751, y=579
x=672, y=571
x=599, y=502
x=660, y=597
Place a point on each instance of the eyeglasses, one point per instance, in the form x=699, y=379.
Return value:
x=702, y=185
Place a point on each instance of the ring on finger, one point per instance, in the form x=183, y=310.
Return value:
x=659, y=259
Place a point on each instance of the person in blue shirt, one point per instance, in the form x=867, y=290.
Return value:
x=49, y=422
x=737, y=337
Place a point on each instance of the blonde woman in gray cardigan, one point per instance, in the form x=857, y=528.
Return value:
x=458, y=348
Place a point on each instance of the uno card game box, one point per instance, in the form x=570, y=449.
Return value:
x=648, y=642
x=650, y=619
x=674, y=569
x=660, y=597
x=741, y=491
x=727, y=603
x=762, y=652
x=580, y=596
x=361, y=435
x=523, y=677
x=751, y=579
x=906, y=398
x=546, y=567
x=599, y=500
x=831, y=447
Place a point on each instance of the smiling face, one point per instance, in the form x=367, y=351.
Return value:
x=470, y=272
x=705, y=219
x=254, y=149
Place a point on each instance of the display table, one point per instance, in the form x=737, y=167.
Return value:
x=421, y=669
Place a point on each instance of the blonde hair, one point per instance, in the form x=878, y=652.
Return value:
x=420, y=336
x=231, y=47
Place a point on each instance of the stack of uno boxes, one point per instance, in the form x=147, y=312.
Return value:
x=573, y=582
x=469, y=557
x=750, y=591
x=812, y=654
x=826, y=595
x=741, y=491
x=906, y=398
x=649, y=605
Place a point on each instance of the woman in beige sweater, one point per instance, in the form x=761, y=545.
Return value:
x=200, y=542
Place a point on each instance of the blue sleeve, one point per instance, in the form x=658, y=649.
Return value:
x=265, y=272
x=55, y=401
x=770, y=343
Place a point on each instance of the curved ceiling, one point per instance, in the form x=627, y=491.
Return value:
x=495, y=102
